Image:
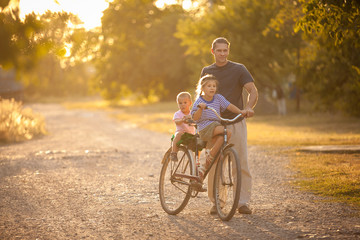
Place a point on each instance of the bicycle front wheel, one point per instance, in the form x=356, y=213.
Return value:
x=174, y=186
x=227, y=184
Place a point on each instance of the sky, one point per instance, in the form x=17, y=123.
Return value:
x=89, y=11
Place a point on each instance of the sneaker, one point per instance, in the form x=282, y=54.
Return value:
x=244, y=210
x=213, y=210
x=173, y=156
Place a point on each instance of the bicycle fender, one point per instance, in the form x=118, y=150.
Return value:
x=166, y=155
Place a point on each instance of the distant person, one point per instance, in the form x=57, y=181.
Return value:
x=210, y=129
x=280, y=100
x=233, y=78
x=184, y=102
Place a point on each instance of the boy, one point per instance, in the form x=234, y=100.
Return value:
x=184, y=102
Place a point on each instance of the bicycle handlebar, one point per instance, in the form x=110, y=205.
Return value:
x=190, y=121
x=223, y=119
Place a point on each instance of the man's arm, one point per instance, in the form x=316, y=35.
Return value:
x=252, y=98
x=235, y=109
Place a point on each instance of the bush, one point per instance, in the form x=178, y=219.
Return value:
x=18, y=124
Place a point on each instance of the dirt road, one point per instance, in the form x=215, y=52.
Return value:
x=95, y=178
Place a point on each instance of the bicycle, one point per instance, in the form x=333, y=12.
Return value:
x=180, y=180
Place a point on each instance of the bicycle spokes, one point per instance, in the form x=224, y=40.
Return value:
x=227, y=184
x=227, y=176
x=174, y=188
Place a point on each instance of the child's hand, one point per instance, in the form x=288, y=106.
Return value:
x=202, y=105
x=187, y=119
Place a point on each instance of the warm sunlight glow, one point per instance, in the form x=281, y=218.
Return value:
x=189, y=4
x=186, y=4
x=68, y=50
x=161, y=3
x=89, y=11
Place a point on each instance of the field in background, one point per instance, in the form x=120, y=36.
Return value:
x=273, y=130
x=336, y=175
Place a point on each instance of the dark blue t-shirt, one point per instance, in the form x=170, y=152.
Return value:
x=232, y=78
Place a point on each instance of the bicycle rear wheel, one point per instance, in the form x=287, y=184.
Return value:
x=227, y=184
x=174, y=190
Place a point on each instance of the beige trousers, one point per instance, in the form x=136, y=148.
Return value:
x=239, y=139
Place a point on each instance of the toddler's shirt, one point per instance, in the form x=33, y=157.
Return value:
x=183, y=127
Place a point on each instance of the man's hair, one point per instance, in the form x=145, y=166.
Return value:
x=219, y=40
x=202, y=82
x=182, y=95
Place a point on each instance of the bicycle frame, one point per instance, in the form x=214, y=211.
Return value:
x=179, y=180
x=224, y=123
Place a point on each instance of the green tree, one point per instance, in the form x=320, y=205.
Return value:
x=139, y=53
x=245, y=24
x=35, y=48
x=165, y=60
x=331, y=75
x=317, y=40
x=17, y=46
x=290, y=43
x=53, y=76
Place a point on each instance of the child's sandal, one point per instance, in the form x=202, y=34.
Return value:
x=201, y=171
x=208, y=161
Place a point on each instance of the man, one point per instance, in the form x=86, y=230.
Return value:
x=233, y=78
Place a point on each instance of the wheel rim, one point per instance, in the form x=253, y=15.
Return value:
x=174, y=194
x=227, y=188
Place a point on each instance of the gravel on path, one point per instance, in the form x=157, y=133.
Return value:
x=93, y=177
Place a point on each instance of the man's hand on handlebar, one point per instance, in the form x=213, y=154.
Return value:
x=249, y=112
x=243, y=113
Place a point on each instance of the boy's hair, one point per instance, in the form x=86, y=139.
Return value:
x=203, y=81
x=183, y=94
x=219, y=40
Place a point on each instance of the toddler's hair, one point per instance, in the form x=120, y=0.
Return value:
x=202, y=82
x=183, y=94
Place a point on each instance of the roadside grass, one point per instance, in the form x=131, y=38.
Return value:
x=18, y=124
x=301, y=130
x=292, y=130
x=335, y=175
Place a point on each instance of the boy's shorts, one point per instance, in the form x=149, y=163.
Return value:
x=207, y=133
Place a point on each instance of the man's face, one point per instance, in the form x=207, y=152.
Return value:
x=220, y=53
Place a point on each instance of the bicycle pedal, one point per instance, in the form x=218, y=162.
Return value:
x=198, y=187
x=202, y=189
